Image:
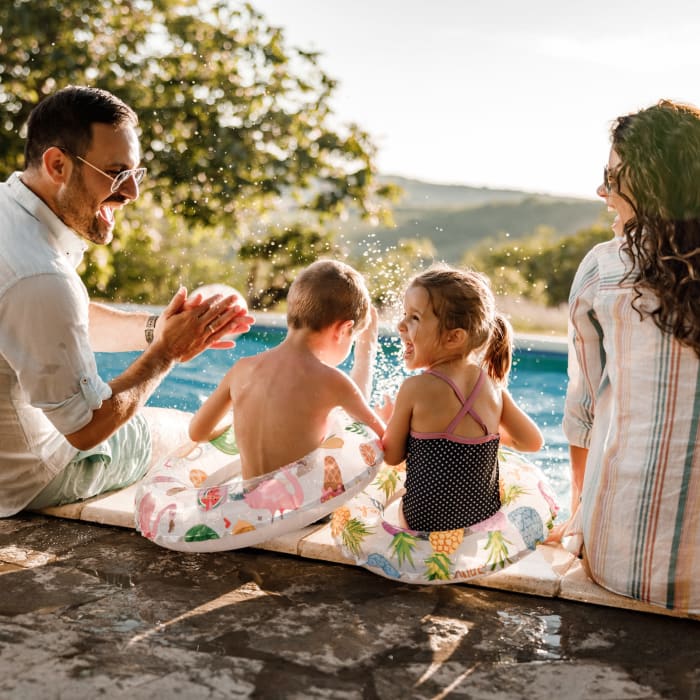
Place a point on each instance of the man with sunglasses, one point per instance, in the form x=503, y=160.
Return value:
x=65, y=434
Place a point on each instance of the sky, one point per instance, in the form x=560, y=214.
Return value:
x=516, y=94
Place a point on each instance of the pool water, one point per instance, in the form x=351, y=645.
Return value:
x=537, y=383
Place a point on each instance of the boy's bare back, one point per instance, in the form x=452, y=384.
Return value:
x=281, y=401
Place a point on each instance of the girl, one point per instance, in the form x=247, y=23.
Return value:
x=448, y=421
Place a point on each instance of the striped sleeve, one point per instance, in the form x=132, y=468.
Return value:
x=586, y=353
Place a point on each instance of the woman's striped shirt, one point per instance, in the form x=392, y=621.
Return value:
x=634, y=401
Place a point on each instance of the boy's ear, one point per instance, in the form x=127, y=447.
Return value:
x=342, y=328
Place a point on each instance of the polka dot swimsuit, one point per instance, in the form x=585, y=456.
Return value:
x=451, y=481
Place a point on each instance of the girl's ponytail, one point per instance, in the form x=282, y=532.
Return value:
x=499, y=350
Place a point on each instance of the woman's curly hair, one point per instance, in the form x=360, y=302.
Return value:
x=660, y=152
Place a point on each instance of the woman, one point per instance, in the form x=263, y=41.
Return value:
x=633, y=399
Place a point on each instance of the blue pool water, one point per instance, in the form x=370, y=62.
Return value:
x=537, y=383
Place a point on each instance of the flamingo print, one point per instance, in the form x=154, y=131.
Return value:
x=280, y=493
x=149, y=519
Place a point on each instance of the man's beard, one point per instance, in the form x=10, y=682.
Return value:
x=74, y=209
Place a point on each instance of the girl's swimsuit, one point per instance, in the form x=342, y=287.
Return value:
x=452, y=481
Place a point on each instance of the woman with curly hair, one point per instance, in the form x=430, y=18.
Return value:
x=633, y=400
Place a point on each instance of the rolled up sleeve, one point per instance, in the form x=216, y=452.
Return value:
x=45, y=339
x=586, y=355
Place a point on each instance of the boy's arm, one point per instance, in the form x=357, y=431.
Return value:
x=399, y=425
x=364, y=355
x=352, y=401
x=517, y=429
x=212, y=411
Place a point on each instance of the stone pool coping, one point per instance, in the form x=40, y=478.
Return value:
x=537, y=342
x=549, y=571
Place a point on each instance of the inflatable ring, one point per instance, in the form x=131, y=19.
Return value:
x=196, y=501
x=363, y=528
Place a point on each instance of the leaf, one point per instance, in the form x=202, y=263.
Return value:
x=353, y=535
x=438, y=567
x=387, y=481
x=357, y=428
x=402, y=545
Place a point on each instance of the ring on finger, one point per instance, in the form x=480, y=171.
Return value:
x=210, y=326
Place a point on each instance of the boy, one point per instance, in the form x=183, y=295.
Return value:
x=281, y=398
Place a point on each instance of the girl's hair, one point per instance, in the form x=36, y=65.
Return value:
x=325, y=292
x=463, y=299
x=65, y=119
x=660, y=152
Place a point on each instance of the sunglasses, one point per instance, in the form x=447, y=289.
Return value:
x=120, y=178
x=609, y=179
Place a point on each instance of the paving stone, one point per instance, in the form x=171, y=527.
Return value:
x=105, y=613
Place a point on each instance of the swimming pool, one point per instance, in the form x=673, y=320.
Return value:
x=538, y=384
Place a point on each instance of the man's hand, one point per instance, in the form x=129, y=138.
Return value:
x=188, y=326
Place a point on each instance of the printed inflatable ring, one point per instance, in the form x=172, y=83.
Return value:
x=196, y=501
x=527, y=514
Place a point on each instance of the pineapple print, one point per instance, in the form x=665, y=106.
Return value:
x=353, y=535
x=402, y=546
x=497, y=547
x=338, y=520
x=387, y=482
x=511, y=492
x=351, y=531
x=332, y=480
x=444, y=543
x=368, y=454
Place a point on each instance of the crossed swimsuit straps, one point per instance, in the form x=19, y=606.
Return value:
x=451, y=481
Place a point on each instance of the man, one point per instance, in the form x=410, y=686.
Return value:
x=65, y=434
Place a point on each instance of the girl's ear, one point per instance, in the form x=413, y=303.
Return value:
x=456, y=337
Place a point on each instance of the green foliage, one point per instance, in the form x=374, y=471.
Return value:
x=276, y=259
x=388, y=270
x=540, y=267
x=154, y=254
x=483, y=215
x=232, y=119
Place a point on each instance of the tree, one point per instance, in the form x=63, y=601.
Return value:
x=233, y=120
x=276, y=260
x=540, y=267
x=387, y=270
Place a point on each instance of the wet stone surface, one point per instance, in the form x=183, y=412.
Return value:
x=89, y=611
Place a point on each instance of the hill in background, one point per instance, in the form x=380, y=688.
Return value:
x=458, y=217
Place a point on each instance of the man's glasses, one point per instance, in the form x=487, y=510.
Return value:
x=609, y=179
x=119, y=179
